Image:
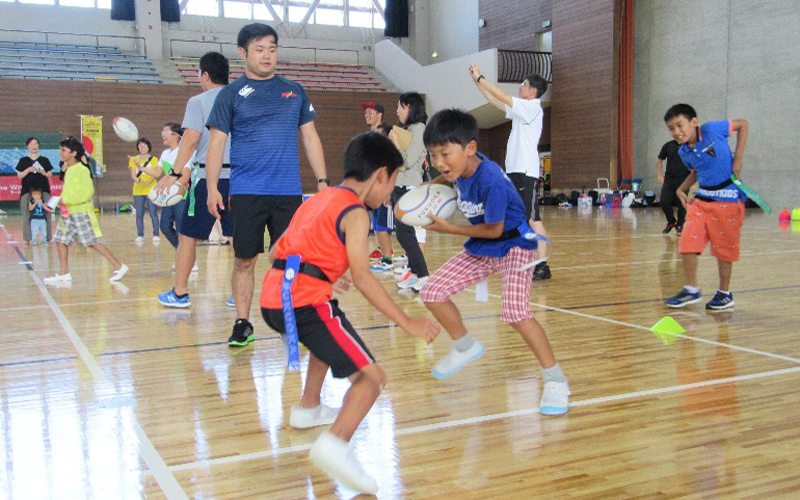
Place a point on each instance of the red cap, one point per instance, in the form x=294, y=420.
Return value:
x=373, y=105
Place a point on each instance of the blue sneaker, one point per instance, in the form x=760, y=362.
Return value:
x=230, y=302
x=683, y=299
x=169, y=299
x=720, y=301
x=383, y=265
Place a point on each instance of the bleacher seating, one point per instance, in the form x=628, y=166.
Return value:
x=74, y=62
x=318, y=76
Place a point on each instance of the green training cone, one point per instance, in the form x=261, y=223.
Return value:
x=667, y=330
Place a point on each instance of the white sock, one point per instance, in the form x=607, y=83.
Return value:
x=692, y=289
x=553, y=374
x=464, y=343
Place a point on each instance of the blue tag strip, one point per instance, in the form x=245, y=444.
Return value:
x=529, y=234
x=292, y=345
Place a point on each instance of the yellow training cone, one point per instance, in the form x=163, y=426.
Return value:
x=667, y=330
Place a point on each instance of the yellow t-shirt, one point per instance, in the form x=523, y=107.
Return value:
x=143, y=185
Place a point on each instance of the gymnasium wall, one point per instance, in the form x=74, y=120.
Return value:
x=583, y=106
x=55, y=106
x=728, y=59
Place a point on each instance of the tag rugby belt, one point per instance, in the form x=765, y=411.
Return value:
x=305, y=268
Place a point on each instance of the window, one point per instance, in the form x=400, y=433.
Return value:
x=237, y=10
x=202, y=7
x=76, y=3
x=261, y=13
x=359, y=13
x=104, y=4
x=41, y=2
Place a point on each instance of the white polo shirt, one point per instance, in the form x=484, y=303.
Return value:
x=522, y=154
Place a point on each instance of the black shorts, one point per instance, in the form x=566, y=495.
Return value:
x=254, y=213
x=528, y=189
x=199, y=225
x=325, y=331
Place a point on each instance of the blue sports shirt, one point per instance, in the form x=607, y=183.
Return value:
x=489, y=196
x=262, y=118
x=712, y=160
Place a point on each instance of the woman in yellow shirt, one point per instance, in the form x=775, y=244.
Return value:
x=145, y=173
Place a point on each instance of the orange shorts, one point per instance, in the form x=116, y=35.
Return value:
x=717, y=222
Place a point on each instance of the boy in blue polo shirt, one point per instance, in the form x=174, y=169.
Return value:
x=716, y=213
x=496, y=244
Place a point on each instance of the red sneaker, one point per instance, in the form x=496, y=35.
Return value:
x=376, y=255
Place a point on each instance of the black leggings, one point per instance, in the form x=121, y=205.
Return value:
x=668, y=200
x=408, y=240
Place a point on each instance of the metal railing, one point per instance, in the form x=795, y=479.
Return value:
x=287, y=52
x=513, y=66
x=51, y=37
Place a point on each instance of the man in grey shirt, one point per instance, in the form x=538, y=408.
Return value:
x=197, y=222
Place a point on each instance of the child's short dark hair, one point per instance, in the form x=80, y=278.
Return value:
x=255, y=31
x=36, y=189
x=146, y=142
x=366, y=153
x=73, y=144
x=217, y=67
x=539, y=83
x=680, y=110
x=451, y=126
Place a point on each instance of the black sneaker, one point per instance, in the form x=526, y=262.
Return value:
x=679, y=229
x=720, y=301
x=242, y=333
x=542, y=272
x=669, y=227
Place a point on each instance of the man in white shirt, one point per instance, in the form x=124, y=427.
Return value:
x=522, y=154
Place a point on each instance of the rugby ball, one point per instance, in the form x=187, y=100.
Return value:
x=414, y=207
x=125, y=129
x=169, y=197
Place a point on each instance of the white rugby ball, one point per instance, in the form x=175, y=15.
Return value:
x=414, y=207
x=125, y=129
x=169, y=197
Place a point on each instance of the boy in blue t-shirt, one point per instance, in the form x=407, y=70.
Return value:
x=496, y=244
x=716, y=213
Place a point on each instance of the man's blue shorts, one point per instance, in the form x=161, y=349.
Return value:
x=383, y=219
x=199, y=225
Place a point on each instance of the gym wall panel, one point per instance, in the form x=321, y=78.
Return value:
x=56, y=106
x=512, y=24
x=584, y=102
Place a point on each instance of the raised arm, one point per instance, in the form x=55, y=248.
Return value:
x=313, y=148
x=494, y=94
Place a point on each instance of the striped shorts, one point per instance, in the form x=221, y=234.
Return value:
x=464, y=269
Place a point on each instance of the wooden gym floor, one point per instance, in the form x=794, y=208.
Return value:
x=107, y=395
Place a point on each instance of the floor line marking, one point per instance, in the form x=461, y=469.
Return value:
x=639, y=327
x=487, y=418
x=158, y=468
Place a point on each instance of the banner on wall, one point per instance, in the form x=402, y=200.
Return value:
x=92, y=137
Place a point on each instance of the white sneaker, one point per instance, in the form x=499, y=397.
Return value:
x=409, y=282
x=195, y=268
x=138, y=240
x=456, y=360
x=335, y=457
x=305, y=418
x=417, y=287
x=555, y=398
x=400, y=258
x=156, y=239
x=58, y=278
x=400, y=270
x=119, y=273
